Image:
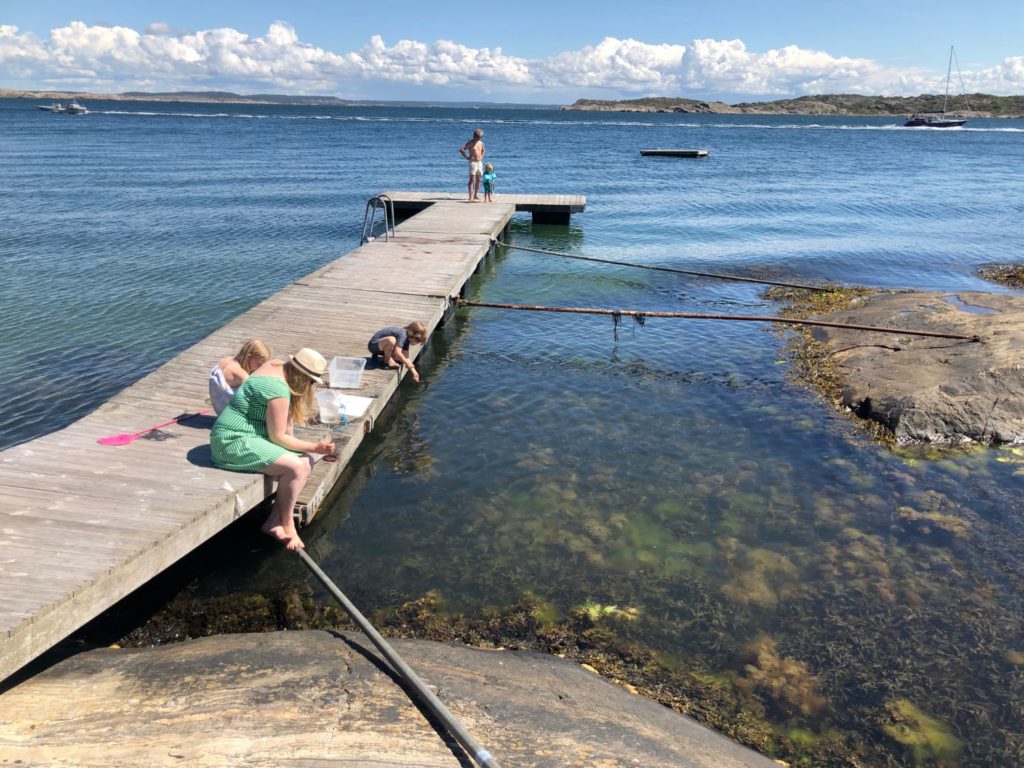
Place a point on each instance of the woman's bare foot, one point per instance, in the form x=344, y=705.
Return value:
x=287, y=536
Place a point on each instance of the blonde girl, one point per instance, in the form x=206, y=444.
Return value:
x=229, y=372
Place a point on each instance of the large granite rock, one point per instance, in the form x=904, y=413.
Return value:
x=316, y=699
x=928, y=389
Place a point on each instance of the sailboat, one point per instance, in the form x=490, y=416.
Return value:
x=939, y=119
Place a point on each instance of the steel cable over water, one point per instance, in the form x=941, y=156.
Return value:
x=716, y=275
x=481, y=756
x=640, y=315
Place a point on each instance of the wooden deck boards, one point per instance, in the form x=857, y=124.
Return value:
x=523, y=203
x=83, y=525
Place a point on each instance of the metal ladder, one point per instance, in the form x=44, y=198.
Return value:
x=387, y=206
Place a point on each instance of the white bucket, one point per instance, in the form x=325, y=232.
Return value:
x=329, y=403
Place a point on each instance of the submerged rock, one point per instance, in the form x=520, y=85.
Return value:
x=312, y=697
x=935, y=390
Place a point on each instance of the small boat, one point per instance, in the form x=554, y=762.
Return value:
x=674, y=152
x=934, y=120
x=74, y=108
x=939, y=119
x=55, y=107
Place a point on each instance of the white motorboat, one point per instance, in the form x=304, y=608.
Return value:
x=55, y=107
x=74, y=108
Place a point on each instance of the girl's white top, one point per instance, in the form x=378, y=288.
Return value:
x=220, y=391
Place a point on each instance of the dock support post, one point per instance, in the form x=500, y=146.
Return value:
x=551, y=217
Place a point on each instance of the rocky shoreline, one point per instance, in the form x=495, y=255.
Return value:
x=975, y=105
x=319, y=697
x=912, y=390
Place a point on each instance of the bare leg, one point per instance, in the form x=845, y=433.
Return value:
x=476, y=187
x=469, y=187
x=387, y=351
x=291, y=473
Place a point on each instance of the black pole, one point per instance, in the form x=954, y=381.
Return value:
x=482, y=757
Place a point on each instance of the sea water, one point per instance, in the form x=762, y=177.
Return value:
x=739, y=525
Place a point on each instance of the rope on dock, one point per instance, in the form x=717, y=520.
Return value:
x=716, y=275
x=641, y=315
x=482, y=757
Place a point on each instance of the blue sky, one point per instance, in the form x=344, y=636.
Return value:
x=525, y=51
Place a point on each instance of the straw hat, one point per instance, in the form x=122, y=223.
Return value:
x=310, y=362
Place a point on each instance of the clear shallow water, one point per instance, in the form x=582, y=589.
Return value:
x=671, y=470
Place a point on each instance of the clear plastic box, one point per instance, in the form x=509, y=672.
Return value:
x=346, y=372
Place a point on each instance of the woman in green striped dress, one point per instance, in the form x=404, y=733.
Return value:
x=254, y=433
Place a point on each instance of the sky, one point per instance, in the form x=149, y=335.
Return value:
x=526, y=51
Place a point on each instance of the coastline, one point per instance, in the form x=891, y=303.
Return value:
x=825, y=105
x=224, y=97
x=984, y=105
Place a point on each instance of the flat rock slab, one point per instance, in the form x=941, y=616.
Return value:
x=317, y=698
x=928, y=389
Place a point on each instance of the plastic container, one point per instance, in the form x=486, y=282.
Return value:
x=346, y=372
x=330, y=406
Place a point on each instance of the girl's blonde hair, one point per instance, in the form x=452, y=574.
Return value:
x=300, y=405
x=417, y=329
x=488, y=167
x=250, y=350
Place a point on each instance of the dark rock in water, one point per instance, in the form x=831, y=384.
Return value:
x=316, y=698
x=929, y=389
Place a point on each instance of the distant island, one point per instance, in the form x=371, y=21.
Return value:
x=972, y=105
x=227, y=97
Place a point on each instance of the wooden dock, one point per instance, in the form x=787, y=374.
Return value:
x=83, y=525
x=545, y=209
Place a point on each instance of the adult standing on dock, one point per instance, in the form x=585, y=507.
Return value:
x=473, y=150
x=254, y=433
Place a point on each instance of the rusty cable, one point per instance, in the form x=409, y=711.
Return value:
x=643, y=314
x=716, y=275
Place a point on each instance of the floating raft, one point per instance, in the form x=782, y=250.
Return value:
x=674, y=152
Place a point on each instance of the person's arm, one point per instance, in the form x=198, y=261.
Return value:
x=463, y=151
x=277, y=430
x=404, y=359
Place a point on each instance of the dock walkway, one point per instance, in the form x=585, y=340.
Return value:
x=84, y=525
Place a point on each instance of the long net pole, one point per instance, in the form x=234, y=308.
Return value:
x=482, y=757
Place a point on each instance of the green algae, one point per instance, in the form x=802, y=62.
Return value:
x=929, y=740
x=786, y=683
x=595, y=612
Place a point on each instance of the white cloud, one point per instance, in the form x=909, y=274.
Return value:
x=161, y=58
x=619, y=64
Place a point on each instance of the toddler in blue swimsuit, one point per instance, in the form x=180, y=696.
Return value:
x=488, y=178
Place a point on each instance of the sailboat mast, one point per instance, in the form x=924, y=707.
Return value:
x=949, y=70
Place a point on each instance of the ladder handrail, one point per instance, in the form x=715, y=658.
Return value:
x=387, y=206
